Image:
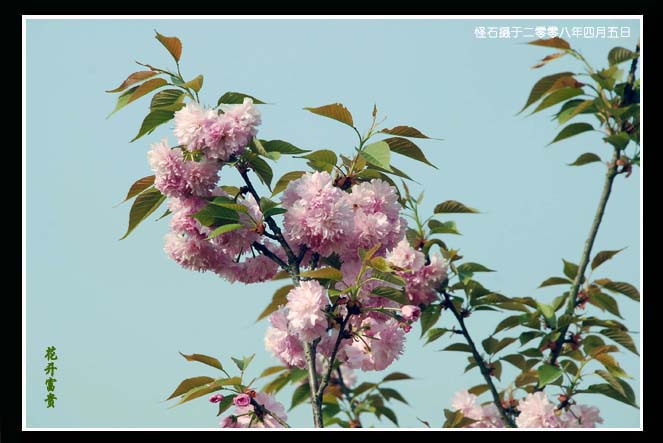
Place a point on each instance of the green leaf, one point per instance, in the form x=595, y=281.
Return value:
x=554, y=42
x=612, y=381
x=282, y=147
x=605, y=303
x=301, y=394
x=473, y=267
x=555, y=281
x=324, y=273
x=607, y=390
x=611, y=364
x=274, y=211
x=196, y=84
x=568, y=113
x=389, y=393
x=144, y=205
x=237, y=98
x=619, y=140
x=379, y=263
x=453, y=207
x=528, y=336
x=243, y=363
x=189, y=384
x=515, y=359
x=146, y=88
x=267, y=204
x=548, y=313
x=489, y=344
x=436, y=333
x=205, y=359
x=165, y=214
x=548, y=374
x=213, y=386
x=394, y=376
x=557, y=96
x=542, y=86
x=604, y=256
x=478, y=389
x=404, y=131
x=460, y=347
x=585, y=159
x=570, y=269
x=392, y=294
x=508, y=323
x=279, y=298
x=335, y=111
x=377, y=154
x=123, y=100
x=407, y=148
x=620, y=287
x=226, y=403
x=365, y=386
x=322, y=160
x=229, y=203
x=503, y=343
x=214, y=215
x=262, y=170
x=429, y=316
x=139, y=186
x=166, y=99
x=272, y=370
x=390, y=414
x=437, y=227
x=621, y=337
x=283, y=182
x=456, y=419
x=152, y=121
x=618, y=55
x=388, y=277
x=172, y=44
x=134, y=78
x=571, y=130
x=223, y=229
x=591, y=342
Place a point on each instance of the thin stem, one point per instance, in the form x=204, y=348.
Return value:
x=325, y=378
x=263, y=249
x=598, y=217
x=480, y=361
x=584, y=258
x=309, y=351
x=269, y=220
x=261, y=409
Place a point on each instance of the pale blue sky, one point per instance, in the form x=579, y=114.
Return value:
x=118, y=312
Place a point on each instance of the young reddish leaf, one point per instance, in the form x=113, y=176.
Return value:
x=134, y=78
x=172, y=44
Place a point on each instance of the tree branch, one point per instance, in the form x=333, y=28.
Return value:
x=325, y=378
x=584, y=259
x=629, y=97
x=261, y=409
x=263, y=249
x=269, y=220
x=309, y=351
x=477, y=357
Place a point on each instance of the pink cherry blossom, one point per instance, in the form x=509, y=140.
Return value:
x=306, y=304
x=189, y=125
x=318, y=215
x=216, y=398
x=536, y=411
x=243, y=417
x=281, y=342
x=242, y=400
x=376, y=217
x=410, y=312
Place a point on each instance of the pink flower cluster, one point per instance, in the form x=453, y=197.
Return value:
x=535, y=411
x=421, y=278
x=217, y=136
x=188, y=245
x=327, y=219
x=244, y=414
